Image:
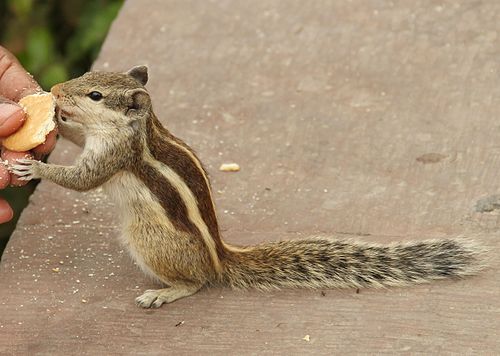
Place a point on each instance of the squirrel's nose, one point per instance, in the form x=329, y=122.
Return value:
x=56, y=90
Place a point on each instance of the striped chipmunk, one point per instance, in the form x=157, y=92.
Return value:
x=169, y=222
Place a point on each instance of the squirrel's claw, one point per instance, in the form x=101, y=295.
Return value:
x=24, y=169
x=26, y=161
x=17, y=168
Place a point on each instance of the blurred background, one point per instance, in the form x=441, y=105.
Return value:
x=55, y=40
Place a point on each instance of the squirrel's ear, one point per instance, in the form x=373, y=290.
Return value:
x=138, y=102
x=139, y=73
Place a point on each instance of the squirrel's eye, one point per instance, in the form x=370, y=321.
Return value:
x=95, y=95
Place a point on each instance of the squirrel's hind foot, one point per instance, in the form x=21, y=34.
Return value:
x=154, y=298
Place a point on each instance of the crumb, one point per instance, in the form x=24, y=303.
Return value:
x=229, y=167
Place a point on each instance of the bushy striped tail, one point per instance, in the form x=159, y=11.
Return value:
x=329, y=263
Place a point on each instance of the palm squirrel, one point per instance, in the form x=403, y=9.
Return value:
x=169, y=222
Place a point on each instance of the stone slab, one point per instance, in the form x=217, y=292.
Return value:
x=375, y=120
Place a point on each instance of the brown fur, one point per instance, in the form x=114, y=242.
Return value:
x=328, y=263
x=160, y=143
x=168, y=197
x=170, y=225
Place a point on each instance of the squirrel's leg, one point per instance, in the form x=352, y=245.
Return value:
x=154, y=298
x=88, y=173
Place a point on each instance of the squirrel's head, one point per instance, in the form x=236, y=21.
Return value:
x=102, y=102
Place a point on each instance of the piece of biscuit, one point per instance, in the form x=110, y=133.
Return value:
x=229, y=167
x=40, y=110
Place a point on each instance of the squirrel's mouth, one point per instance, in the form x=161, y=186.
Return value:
x=62, y=115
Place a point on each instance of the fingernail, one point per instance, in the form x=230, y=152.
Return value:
x=6, y=111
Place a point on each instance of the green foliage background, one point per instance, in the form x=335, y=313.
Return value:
x=55, y=40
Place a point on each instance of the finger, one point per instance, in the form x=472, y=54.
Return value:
x=15, y=82
x=48, y=145
x=12, y=117
x=16, y=181
x=4, y=176
x=11, y=157
x=6, y=213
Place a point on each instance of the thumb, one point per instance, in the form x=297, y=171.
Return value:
x=6, y=212
x=12, y=117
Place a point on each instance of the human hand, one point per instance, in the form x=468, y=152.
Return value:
x=15, y=83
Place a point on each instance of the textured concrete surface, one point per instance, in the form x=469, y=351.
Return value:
x=374, y=120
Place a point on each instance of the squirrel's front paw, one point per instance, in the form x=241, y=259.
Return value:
x=26, y=169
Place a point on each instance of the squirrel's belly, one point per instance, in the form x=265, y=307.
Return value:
x=134, y=200
x=157, y=247
x=125, y=189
